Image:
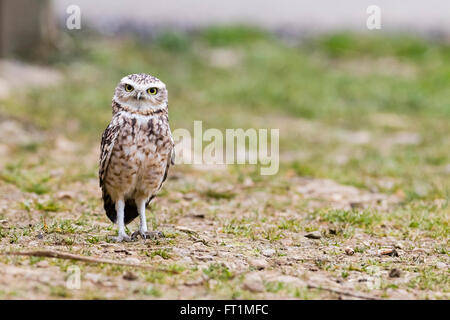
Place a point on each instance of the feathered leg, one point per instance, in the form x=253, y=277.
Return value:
x=120, y=209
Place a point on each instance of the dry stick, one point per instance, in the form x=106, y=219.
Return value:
x=345, y=293
x=70, y=256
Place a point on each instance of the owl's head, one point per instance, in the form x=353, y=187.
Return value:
x=141, y=93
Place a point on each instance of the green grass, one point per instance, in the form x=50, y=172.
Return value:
x=218, y=272
x=384, y=85
x=363, y=110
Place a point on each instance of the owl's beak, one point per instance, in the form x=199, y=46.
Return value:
x=138, y=95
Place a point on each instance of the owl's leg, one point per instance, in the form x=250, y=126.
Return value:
x=143, y=224
x=143, y=220
x=120, y=210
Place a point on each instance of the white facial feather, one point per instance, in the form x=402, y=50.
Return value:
x=138, y=98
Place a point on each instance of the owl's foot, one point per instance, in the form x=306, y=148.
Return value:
x=147, y=235
x=122, y=238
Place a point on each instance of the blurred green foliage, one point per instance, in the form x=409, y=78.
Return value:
x=239, y=77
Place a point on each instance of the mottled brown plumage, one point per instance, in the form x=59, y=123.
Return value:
x=136, y=150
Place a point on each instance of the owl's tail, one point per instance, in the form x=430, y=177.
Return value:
x=131, y=211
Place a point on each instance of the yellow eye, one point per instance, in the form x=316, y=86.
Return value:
x=152, y=90
x=128, y=88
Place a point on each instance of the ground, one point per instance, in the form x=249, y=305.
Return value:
x=358, y=210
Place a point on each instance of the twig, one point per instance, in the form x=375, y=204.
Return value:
x=345, y=293
x=70, y=256
x=193, y=235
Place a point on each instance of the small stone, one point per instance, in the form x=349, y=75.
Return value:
x=395, y=273
x=268, y=252
x=40, y=236
x=188, y=196
x=398, y=245
x=197, y=215
x=258, y=263
x=133, y=260
x=205, y=257
x=63, y=195
x=356, y=205
x=42, y=264
x=441, y=265
x=186, y=260
x=290, y=280
x=388, y=252
x=313, y=235
x=349, y=251
x=253, y=283
x=158, y=259
x=123, y=251
x=130, y=276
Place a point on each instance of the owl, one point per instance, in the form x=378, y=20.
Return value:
x=136, y=152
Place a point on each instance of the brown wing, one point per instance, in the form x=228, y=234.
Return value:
x=109, y=138
x=170, y=161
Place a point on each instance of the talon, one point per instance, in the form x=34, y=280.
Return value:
x=147, y=235
x=135, y=235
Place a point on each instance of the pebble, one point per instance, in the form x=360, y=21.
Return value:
x=42, y=264
x=189, y=196
x=441, y=265
x=258, y=263
x=65, y=195
x=130, y=276
x=356, y=205
x=313, y=235
x=133, y=260
x=268, y=252
x=157, y=259
x=395, y=273
x=349, y=251
x=197, y=282
x=388, y=252
x=253, y=283
x=398, y=245
x=206, y=257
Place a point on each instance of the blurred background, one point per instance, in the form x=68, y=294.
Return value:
x=364, y=107
x=363, y=118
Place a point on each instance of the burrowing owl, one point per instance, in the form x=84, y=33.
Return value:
x=136, y=151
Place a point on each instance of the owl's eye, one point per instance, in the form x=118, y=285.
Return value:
x=128, y=88
x=152, y=90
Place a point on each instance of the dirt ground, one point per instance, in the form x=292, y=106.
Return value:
x=358, y=210
x=225, y=237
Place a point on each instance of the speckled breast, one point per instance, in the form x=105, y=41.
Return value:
x=139, y=157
